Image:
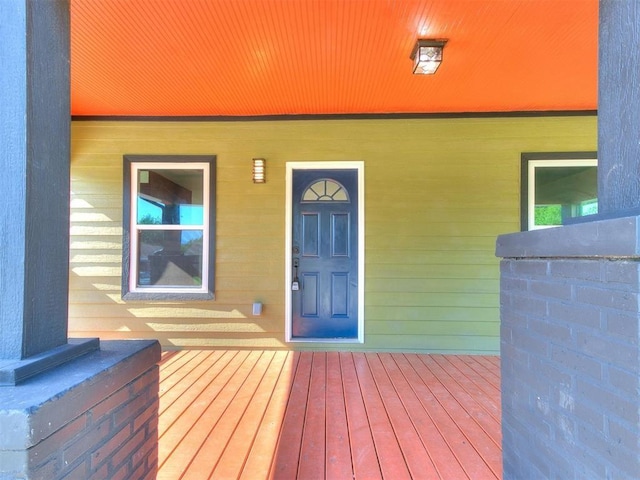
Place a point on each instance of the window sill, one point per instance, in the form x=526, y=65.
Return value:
x=150, y=296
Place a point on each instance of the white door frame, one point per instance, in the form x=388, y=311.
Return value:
x=288, y=274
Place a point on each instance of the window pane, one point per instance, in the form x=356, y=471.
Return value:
x=170, y=258
x=170, y=197
x=325, y=191
x=563, y=192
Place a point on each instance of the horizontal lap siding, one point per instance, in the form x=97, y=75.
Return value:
x=436, y=201
x=96, y=307
x=437, y=194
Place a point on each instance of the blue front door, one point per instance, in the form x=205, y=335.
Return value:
x=325, y=254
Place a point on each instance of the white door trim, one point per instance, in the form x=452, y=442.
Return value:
x=288, y=274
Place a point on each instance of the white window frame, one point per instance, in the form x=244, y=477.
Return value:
x=136, y=163
x=531, y=182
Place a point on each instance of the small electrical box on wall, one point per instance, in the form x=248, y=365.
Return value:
x=257, y=308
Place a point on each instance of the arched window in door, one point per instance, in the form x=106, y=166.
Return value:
x=325, y=190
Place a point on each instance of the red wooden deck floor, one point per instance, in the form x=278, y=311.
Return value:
x=285, y=415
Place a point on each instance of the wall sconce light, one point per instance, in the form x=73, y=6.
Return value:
x=427, y=56
x=258, y=170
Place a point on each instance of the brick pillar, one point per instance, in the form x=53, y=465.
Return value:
x=570, y=324
x=94, y=417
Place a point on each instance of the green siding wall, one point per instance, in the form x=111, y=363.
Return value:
x=437, y=193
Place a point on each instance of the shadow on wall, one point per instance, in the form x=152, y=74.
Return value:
x=96, y=307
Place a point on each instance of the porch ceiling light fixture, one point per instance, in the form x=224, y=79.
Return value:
x=258, y=170
x=427, y=56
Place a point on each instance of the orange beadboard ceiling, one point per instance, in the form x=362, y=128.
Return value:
x=327, y=57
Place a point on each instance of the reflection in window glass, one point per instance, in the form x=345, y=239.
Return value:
x=170, y=197
x=560, y=190
x=170, y=257
x=548, y=215
x=149, y=213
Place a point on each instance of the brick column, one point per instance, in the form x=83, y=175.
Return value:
x=570, y=324
x=94, y=417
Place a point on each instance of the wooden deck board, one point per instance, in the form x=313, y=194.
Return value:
x=265, y=443
x=416, y=458
x=311, y=463
x=285, y=463
x=427, y=390
x=196, y=423
x=177, y=398
x=328, y=415
x=443, y=458
x=480, y=456
x=478, y=388
x=338, y=454
x=363, y=451
x=202, y=465
x=241, y=441
x=390, y=458
x=486, y=375
x=198, y=371
x=172, y=361
x=468, y=404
